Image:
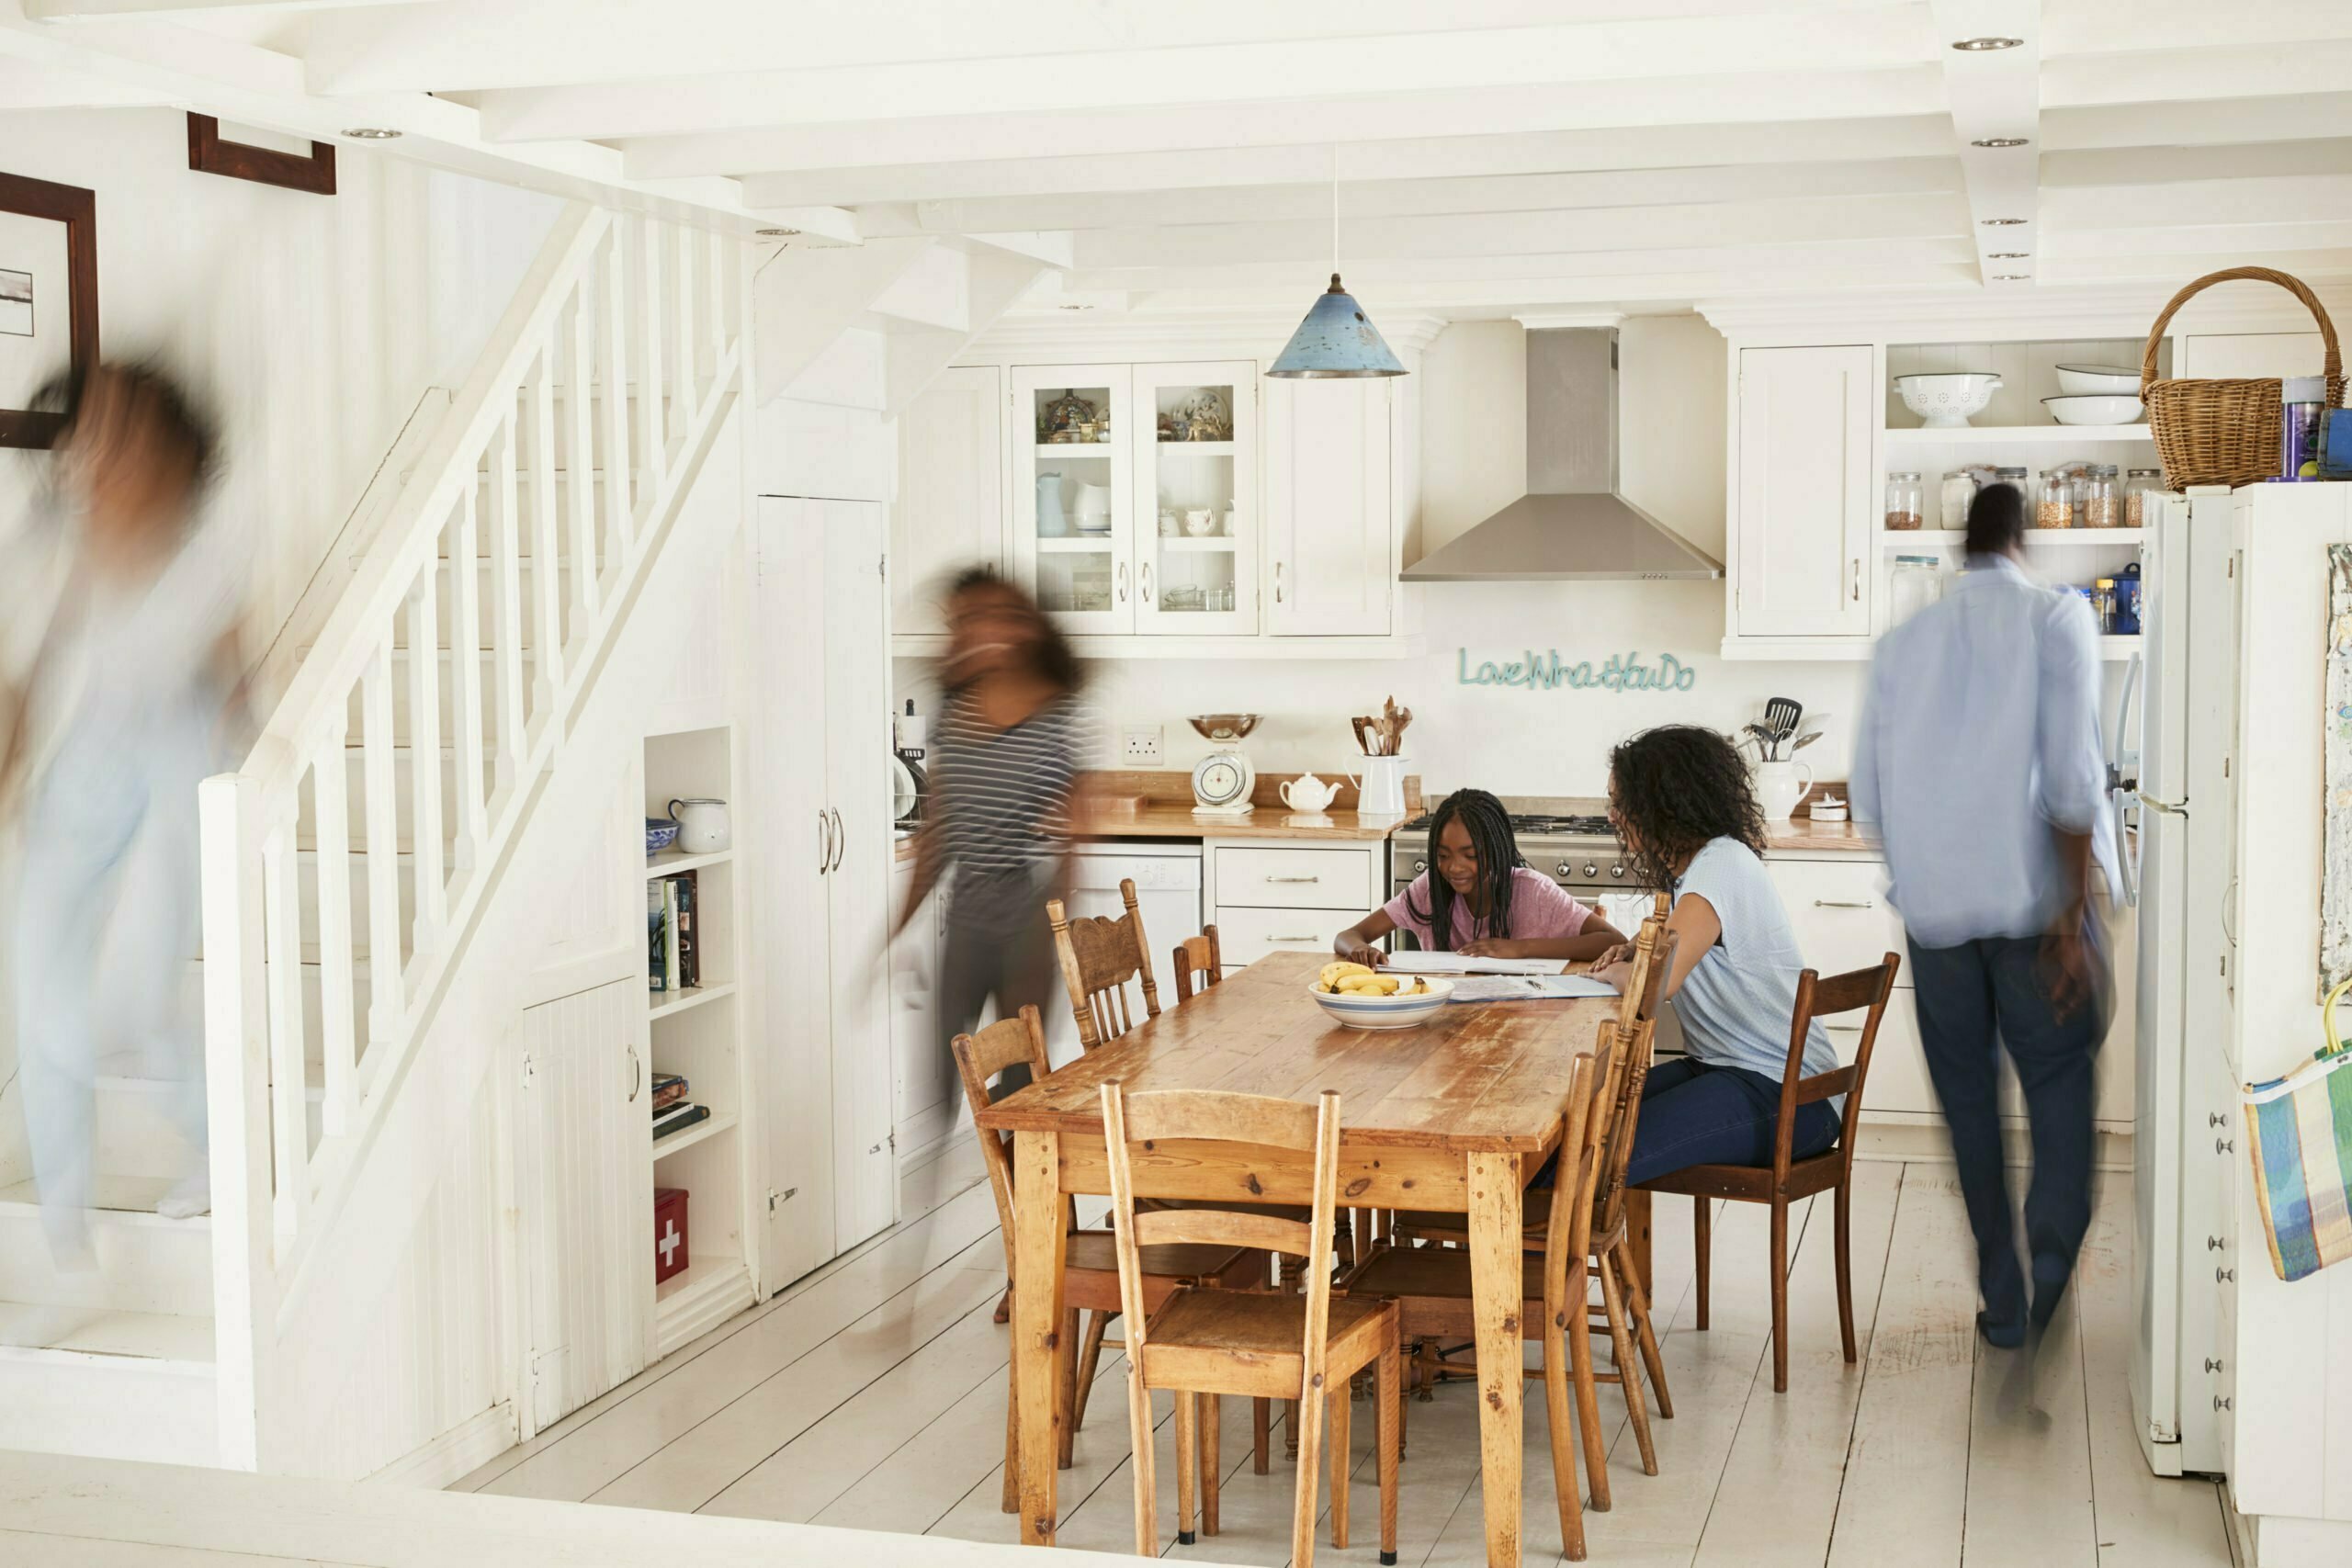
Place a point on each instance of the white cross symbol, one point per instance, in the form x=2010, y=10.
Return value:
x=671, y=1241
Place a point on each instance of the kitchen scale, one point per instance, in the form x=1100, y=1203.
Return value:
x=1223, y=780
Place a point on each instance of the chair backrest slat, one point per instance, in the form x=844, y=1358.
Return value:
x=1577, y=1178
x=1198, y=955
x=1818, y=998
x=980, y=1057
x=1635, y=1044
x=1098, y=955
x=1217, y=1118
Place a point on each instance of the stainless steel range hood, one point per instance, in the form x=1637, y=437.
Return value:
x=1571, y=524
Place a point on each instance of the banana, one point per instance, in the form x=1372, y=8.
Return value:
x=1370, y=985
x=1334, y=971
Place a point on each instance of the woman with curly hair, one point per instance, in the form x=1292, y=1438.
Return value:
x=1681, y=801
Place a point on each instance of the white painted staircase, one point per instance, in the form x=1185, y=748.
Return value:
x=349, y=858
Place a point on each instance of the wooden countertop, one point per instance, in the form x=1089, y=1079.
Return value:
x=1173, y=819
x=1800, y=835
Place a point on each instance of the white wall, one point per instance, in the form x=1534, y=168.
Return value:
x=1473, y=399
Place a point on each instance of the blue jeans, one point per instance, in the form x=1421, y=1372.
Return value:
x=1696, y=1114
x=1969, y=998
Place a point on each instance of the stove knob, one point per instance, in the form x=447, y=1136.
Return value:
x=1563, y=869
x=1591, y=869
x=1419, y=866
x=1618, y=871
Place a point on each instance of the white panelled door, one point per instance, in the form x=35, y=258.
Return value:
x=585, y=1143
x=1330, y=567
x=821, y=750
x=950, y=511
x=1805, y=492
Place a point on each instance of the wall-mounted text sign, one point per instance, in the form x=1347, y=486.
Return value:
x=1543, y=671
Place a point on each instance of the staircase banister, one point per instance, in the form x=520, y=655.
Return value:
x=346, y=645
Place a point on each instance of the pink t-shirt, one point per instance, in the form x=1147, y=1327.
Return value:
x=1540, y=911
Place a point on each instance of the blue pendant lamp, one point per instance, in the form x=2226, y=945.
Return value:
x=1337, y=338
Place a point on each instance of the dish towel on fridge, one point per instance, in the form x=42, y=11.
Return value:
x=2299, y=1135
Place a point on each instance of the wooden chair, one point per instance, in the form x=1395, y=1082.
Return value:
x=1786, y=1180
x=1090, y=1274
x=1198, y=955
x=1099, y=956
x=1206, y=1344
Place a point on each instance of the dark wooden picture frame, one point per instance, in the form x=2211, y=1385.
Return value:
x=79, y=210
x=209, y=154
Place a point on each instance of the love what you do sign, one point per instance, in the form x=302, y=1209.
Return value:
x=1547, y=671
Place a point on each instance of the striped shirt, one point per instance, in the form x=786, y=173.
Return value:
x=994, y=793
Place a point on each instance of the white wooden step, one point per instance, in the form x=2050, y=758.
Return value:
x=146, y=1263
x=139, y=1130
x=120, y=1385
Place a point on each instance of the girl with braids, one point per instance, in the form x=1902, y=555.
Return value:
x=1479, y=899
x=1681, y=798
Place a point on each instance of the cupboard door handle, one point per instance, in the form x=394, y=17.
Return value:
x=636, y=1075
x=2211, y=1365
x=2220, y=1403
x=2222, y=1148
x=1294, y=879
x=2215, y=1119
x=840, y=842
x=2223, y=1276
x=1843, y=1028
x=1844, y=904
x=1858, y=581
x=1144, y=577
x=824, y=842
x=1278, y=583
x=2215, y=1244
x=1122, y=582
x=1294, y=938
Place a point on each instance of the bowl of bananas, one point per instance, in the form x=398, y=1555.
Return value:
x=1364, y=998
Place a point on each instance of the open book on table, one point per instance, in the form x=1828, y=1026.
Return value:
x=1415, y=962
x=1528, y=987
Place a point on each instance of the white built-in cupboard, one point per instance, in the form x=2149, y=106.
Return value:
x=1285, y=537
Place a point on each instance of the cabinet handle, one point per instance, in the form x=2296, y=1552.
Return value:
x=1843, y=1028
x=1858, y=580
x=2222, y=1148
x=1122, y=582
x=1844, y=904
x=1294, y=879
x=636, y=1075
x=1278, y=583
x=2215, y=1244
x=2215, y=1119
x=2223, y=1276
x=1143, y=578
x=2211, y=1365
x=2219, y=1404
x=824, y=842
x=840, y=842
x=1293, y=939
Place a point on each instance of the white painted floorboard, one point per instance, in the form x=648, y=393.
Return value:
x=872, y=1394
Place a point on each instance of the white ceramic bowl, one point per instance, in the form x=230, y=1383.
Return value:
x=2107, y=409
x=2097, y=381
x=1944, y=399
x=1386, y=1012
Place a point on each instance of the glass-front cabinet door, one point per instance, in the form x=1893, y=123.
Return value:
x=1195, y=499
x=1073, y=489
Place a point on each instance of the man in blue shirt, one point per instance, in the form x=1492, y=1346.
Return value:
x=1979, y=758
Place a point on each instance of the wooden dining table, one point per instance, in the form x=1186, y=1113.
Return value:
x=1452, y=1116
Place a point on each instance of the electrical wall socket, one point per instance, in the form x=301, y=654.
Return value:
x=1139, y=746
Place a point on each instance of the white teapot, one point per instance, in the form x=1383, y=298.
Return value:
x=1308, y=794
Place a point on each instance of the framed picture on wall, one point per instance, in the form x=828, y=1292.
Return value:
x=49, y=297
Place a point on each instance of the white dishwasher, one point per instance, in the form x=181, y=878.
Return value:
x=1168, y=892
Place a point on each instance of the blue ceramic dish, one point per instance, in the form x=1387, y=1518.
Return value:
x=659, y=834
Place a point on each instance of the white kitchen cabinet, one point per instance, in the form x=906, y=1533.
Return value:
x=1288, y=897
x=1332, y=551
x=950, y=511
x=1801, y=526
x=1196, y=532
x=822, y=772
x=1073, y=502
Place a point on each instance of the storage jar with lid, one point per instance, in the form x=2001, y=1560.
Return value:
x=1903, y=500
x=2053, y=502
x=2139, y=484
x=1957, y=493
x=1915, y=582
x=2100, y=506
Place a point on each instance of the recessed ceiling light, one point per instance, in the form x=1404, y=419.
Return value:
x=2005, y=255
x=775, y=233
x=1999, y=222
x=1997, y=142
x=2011, y=277
x=1983, y=45
x=1073, y=306
x=371, y=133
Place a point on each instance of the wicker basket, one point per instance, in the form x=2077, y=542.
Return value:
x=2224, y=431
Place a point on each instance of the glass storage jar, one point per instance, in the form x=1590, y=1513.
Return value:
x=2053, y=501
x=2139, y=484
x=2101, y=506
x=1903, y=500
x=1915, y=582
x=1955, y=496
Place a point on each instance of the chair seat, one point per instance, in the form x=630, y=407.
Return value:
x=1751, y=1183
x=1098, y=1252
x=1250, y=1341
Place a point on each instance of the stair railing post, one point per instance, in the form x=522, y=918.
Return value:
x=580, y=462
x=507, y=612
x=289, y=1098
x=424, y=741
x=649, y=406
x=379, y=783
x=686, y=402
x=330, y=829
x=619, y=471
x=470, y=724
x=546, y=577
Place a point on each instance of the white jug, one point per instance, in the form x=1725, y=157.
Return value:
x=1308, y=794
x=1777, y=788
x=703, y=825
x=1381, y=792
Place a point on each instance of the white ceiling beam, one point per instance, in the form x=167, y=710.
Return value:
x=1720, y=100
x=1397, y=198
x=2324, y=156
x=2285, y=198
x=2242, y=71
x=471, y=45
x=89, y=10
x=1826, y=141
x=240, y=82
x=2173, y=268
x=2202, y=239
x=1608, y=229
x=2072, y=27
x=1645, y=49
x=1995, y=96
x=24, y=85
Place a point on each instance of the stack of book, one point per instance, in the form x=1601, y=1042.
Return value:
x=671, y=1108
x=674, y=956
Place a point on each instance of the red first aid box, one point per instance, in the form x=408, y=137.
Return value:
x=670, y=1255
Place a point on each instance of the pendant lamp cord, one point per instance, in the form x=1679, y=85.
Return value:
x=1335, y=211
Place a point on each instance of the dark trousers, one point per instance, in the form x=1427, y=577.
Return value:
x=1697, y=1114
x=1969, y=998
x=1015, y=967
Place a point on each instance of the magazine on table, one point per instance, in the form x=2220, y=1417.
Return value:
x=1529, y=987
x=1414, y=961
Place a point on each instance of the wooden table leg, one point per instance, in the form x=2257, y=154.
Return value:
x=1637, y=1237
x=1039, y=1236
x=1495, y=1284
